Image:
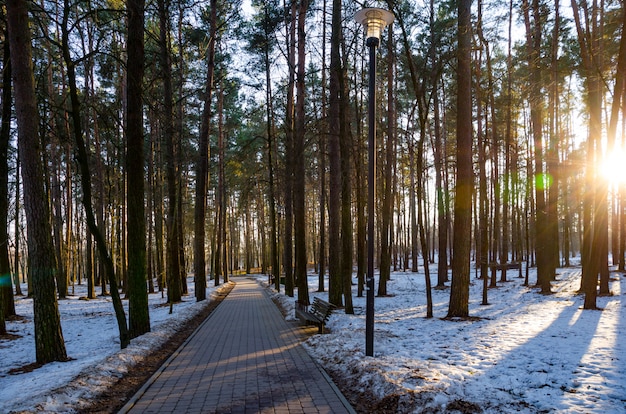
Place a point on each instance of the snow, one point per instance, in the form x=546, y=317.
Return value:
x=92, y=342
x=524, y=352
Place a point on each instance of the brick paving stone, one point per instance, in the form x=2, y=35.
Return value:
x=244, y=358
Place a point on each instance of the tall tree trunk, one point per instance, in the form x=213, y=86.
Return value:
x=299, y=209
x=361, y=191
x=459, y=292
x=552, y=154
x=442, y=217
x=482, y=245
x=52, y=157
x=138, y=314
x=271, y=138
x=345, y=151
x=413, y=227
x=17, y=228
x=495, y=161
x=542, y=235
x=506, y=199
x=594, y=203
x=98, y=205
x=335, y=288
x=56, y=196
x=174, y=287
x=420, y=222
x=89, y=266
x=221, y=183
x=289, y=153
x=7, y=304
x=322, y=144
x=388, y=193
x=49, y=343
x=202, y=168
x=150, y=245
x=422, y=114
x=157, y=206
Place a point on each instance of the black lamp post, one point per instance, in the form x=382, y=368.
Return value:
x=374, y=20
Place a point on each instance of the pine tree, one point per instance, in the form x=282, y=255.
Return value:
x=49, y=342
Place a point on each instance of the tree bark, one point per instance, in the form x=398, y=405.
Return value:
x=299, y=210
x=345, y=153
x=542, y=235
x=459, y=292
x=138, y=314
x=442, y=205
x=174, y=286
x=49, y=343
x=335, y=288
x=7, y=304
x=221, y=183
x=388, y=192
x=202, y=168
x=594, y=203
x=271, y=138
x=323, y=143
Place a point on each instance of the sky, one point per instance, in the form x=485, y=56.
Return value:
x=524, y=352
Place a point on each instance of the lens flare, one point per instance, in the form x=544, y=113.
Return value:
x=613, y=167
x=543, y=181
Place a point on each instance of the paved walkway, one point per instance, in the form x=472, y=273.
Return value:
x=244, y=358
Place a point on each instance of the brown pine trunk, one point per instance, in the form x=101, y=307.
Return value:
x=150, y=245
x=335, y=288
x=49, y=343
x=345, y=147
x=361, y=192
x=506, y=196
x=420, y=222
x=388, y=193
x=459, y=292
x=17, y=229
x=482, y=245
x=299, y=208
x=271, y=138
x=594, y=204
x=442, y=217
x=202, y=166
x=414, y=230
x=221, y=183
x=139, y=316
x=289, y=154
x=7, y=304
x=552, y=153
x=322, y=143
x=174, y=286
x=542, y=234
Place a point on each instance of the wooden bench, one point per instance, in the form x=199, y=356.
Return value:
x=503, y=267
x=318, y=313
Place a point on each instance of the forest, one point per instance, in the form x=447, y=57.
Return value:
x=145, y=141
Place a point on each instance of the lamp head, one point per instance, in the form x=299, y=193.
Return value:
x=374, y=20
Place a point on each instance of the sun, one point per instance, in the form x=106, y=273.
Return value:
x=613, y=166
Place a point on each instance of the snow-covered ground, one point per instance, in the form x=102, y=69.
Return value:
x=92, y=342
x=524, y=352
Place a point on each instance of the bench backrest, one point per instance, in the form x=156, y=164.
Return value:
x=322, y=309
